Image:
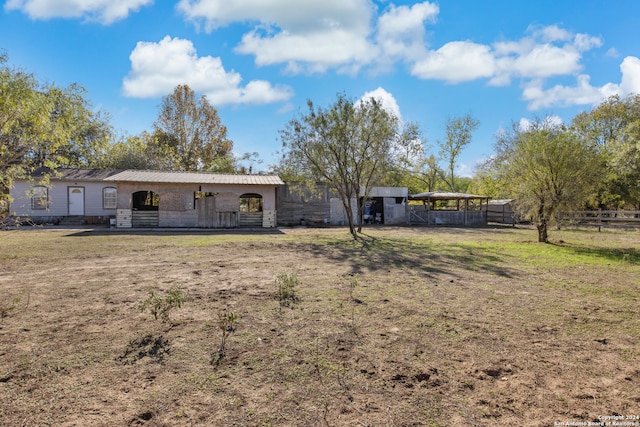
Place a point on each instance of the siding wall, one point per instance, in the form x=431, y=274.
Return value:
x=59, y=201
x=176, y=205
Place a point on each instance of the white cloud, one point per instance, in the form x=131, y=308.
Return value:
x=289, y=15
x=103, y=11
x=306, y=35
x=309, y=52
x=401, y=30
x=583, y=93
x=630, y=69
x=310, y=36
x=550, y=33
x=612, y=53
x=546, y=61
x=546, y=52
x=585, y=42
x=157, y=68
x=388, y=101
x=456, y=62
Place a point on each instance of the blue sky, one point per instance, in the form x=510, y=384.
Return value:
x=258, y=61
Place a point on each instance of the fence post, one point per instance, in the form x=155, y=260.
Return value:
x=599, y=218
x=559, y=219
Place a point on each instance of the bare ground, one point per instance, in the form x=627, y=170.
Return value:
x=409, y=327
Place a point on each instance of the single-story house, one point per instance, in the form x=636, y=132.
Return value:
x=135, y=198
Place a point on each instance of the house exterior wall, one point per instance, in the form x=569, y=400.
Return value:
x=177, y=203
x=58, y=206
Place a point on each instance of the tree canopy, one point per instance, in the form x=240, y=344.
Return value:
x=42, y=125
x=189, y=134
x=349, y=145
x=459, y=132
x=545, y=167
x=612, y=127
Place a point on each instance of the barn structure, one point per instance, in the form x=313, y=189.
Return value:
x=317, y=205
x=134, y=198
x=445, y=208
x=501, y=211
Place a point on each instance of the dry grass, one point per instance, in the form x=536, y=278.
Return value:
x=409, y=326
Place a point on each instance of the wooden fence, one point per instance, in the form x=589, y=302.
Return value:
x=599, y=218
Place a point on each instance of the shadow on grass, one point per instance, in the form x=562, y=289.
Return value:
x=105, y=231
x=624, y=255
x=155, y=348
x=369, y=253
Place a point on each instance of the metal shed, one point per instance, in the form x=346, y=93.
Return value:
x=501, y=211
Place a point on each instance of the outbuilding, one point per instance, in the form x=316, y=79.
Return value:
x=448, y=208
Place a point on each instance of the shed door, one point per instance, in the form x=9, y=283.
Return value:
x=206, y=211
x=76, y=200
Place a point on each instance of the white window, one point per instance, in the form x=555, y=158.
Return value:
x=39, y=197
x=109, y=198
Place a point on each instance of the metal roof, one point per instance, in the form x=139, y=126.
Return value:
x=443, y=195
x=75, y=174
x=193, y=178
x=501, y=202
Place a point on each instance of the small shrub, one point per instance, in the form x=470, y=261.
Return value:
x=287, y=283
x=226, y=324
x=353, y=284
x=161, y=307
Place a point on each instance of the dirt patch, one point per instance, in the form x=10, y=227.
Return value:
x=408, y=327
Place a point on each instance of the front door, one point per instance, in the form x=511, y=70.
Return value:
x=76, y=200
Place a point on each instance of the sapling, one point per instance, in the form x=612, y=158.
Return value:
x=287, y=283
x=161, y=307
x=226, y=324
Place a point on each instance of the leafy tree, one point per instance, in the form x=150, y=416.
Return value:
x=609, y=126
x=348, y=145
x=459, y=130
x=190, y=136
x=430, y=174
x=487, y=182
x=407, y=152
x=45, y=126
x=130, y=152
x=545, y=167
x=605, y=124
x=625, y=161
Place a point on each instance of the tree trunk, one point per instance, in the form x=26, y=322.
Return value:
x=542, y=231
x=360, y=214
x=349, y=211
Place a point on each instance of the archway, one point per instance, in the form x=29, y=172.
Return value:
x=250, y=210
x=144, y=212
